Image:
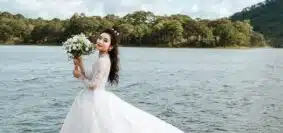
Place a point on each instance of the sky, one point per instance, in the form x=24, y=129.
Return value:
x=48, y=9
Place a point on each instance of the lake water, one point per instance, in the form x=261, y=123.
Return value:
x=197, y=90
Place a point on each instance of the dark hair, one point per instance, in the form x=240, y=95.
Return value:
x=113, y=77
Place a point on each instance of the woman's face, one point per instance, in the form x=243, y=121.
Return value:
x=103, y=42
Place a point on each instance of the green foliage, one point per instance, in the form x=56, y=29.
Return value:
x=139, y=28
x=257, y=39
x=266, y=18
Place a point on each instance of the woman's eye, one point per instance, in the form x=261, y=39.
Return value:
x=105, y=40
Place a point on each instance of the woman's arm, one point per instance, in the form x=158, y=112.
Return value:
x=85, y=72
x=97, y=77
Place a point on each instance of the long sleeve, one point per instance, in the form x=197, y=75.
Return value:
x=99, y=74
x=89, y=72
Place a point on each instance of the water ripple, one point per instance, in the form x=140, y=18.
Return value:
x=224, y=91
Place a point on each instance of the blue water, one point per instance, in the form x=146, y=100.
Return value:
x=197, y=90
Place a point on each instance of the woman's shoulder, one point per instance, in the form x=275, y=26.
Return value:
x=104, y=58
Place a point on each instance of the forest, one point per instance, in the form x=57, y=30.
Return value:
x=266, y=18
x=139, y=28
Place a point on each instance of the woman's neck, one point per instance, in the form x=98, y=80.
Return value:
x=102, y=53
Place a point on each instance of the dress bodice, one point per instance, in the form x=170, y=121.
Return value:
x=97, y=77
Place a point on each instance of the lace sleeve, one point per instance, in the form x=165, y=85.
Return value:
x=98, y=75
x=89, y=72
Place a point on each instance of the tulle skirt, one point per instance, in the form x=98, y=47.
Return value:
x=101, y=111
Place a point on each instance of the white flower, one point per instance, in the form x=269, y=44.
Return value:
x=74, y=47
x=78, y=43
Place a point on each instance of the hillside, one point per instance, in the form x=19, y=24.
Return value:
x=267, y=18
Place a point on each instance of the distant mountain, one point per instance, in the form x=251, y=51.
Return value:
x=267, y=18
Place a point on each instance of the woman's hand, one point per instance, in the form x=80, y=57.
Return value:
x=79, y=64
x=76, y=73
x=78, y=61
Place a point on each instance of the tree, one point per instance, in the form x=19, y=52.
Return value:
x=81, y=24
x=140, y=17
x=266, y=18
x=140, y=31
x=126, y=30
x=139, y=28
x=5, y=32
x=226, y=34
x=170, y=30
x=257, y=40
x=198, y=34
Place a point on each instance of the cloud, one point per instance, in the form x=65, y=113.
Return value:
x=66, y=8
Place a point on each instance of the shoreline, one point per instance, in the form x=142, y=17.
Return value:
x=129, y=46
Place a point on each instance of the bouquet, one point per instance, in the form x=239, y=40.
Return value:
x=77, y=46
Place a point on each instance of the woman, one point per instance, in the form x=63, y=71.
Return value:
x=96, y=110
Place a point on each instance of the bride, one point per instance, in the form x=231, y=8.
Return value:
x=96, y=110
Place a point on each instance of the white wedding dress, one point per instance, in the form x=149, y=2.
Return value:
x=101, y=111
